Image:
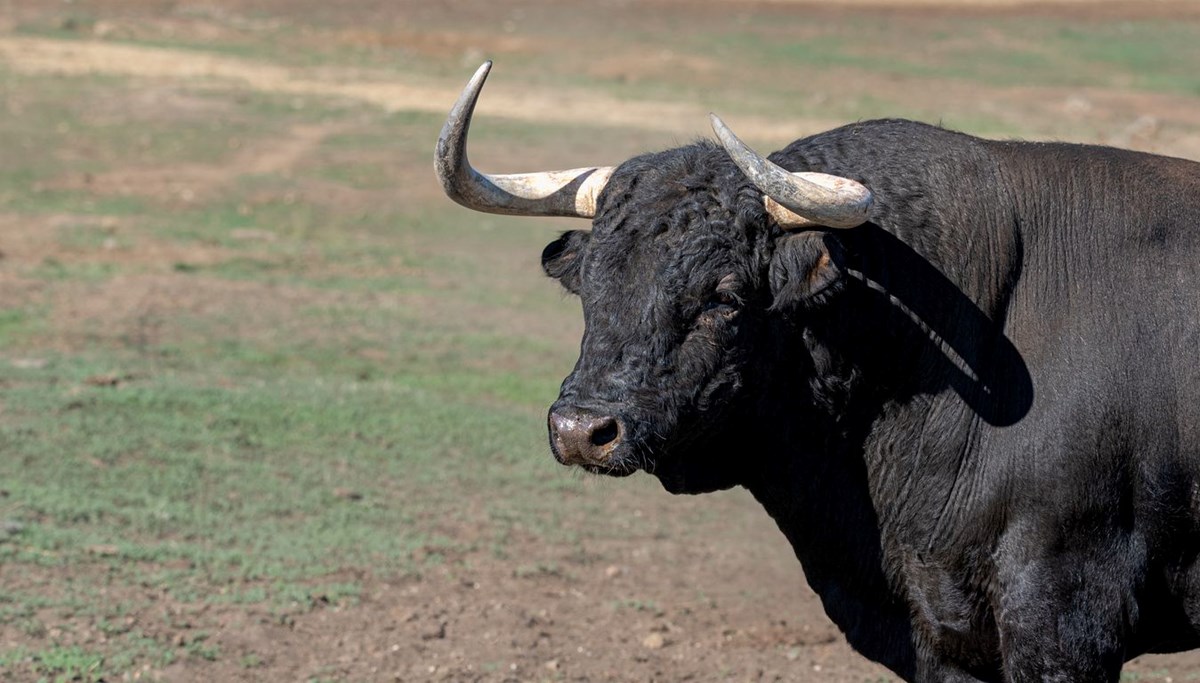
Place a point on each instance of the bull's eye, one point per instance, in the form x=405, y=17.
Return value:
x=723, y=301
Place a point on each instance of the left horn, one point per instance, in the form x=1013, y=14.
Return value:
x=798, y=200
x=548, y=193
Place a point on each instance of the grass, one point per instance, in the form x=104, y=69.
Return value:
x=244, y=399
x=1150, y=55
x=245, y=454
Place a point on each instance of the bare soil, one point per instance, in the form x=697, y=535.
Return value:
x=684, y=605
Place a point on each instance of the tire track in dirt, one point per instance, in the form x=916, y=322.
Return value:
x=563, y=105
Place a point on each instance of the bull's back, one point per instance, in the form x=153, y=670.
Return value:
x=1106, y=314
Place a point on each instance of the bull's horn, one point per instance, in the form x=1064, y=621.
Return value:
x=798, y=200
x=549, y=193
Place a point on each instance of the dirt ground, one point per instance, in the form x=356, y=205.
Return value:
x=673, y=607
x=709, y=592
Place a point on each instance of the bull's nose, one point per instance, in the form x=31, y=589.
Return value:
x=581, y=437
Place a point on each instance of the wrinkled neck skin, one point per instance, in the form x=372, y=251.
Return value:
x=836, y=473
x=914, y=341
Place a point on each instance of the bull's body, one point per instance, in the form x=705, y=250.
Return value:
x=985, y=446
x=1039, y=519
x=975, y=416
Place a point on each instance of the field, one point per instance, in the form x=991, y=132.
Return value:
x=273, y=408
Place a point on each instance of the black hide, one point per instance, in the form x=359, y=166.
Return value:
x=976, y=418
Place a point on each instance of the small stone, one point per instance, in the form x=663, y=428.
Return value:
x=436, y=633
x=347, y=494
x=612, y=571
x=110, y=379
x=103, y=550
x=654, y=641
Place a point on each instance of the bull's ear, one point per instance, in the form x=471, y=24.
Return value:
x=560, y=258
x=806, y=270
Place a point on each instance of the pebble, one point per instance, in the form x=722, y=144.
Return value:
x=654, y=641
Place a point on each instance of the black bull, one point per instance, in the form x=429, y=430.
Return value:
x=976, y=417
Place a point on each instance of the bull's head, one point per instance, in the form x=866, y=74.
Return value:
x=692, y=257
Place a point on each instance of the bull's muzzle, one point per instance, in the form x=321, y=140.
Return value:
x=582, y=437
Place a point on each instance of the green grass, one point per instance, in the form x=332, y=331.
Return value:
x=254, y=449
x=14, y=322
x=1143, y=54
x=1149, y=54
x=62, y=664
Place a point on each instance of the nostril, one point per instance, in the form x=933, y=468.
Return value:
x=605, y=431
x=579, y=436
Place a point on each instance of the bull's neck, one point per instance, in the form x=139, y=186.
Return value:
x=823, y=507
x=814, y=482
x=919, y=333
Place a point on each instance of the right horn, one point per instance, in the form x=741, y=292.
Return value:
x=548, y=193
x=798, y=200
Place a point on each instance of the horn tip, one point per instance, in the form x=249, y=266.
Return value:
x=482, y=71
x=726, y=136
